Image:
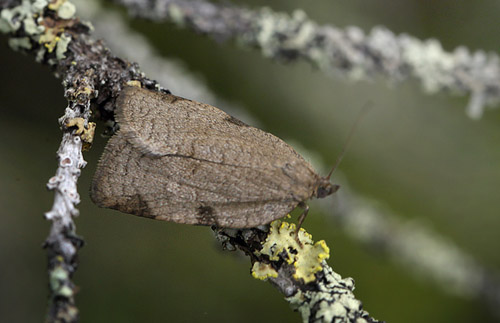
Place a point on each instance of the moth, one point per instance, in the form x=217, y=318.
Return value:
x=178, y=160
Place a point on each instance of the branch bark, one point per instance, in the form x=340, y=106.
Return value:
x=348, y=52
x=62, y=244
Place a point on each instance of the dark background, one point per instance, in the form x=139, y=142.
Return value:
x=418, y=155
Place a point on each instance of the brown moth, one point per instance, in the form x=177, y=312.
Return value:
x=178, y=160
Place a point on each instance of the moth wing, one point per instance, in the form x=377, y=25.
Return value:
x=184, y=161
x=161, y=124
x=175, y=189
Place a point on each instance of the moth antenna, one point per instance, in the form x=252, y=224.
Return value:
x=368, y=105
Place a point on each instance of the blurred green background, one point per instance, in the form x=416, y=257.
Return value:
x=417, y=155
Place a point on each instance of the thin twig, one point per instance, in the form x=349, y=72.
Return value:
x=348, y=52
x=91, y=74
x=62, y=244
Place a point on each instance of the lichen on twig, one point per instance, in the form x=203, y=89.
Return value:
x=349, y=52
x=51, y=33
x=298, y=271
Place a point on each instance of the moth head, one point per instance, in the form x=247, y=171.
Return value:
x=326, y=188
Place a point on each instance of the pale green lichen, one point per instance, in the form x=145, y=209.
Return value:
x=176, y=15
x=58, y=274
x=430, y=62
x=57, y=277
x=20, y=43
x=307, y=257
x=62, y=46
x=65, y=291
x=328, y=312
x=64, y=8
x=272, y=26
x=265, y=37
x=31, y=27
x=12, y=19
x=29, y=16
x=304, y=34
x=7, y=23
x=67, y=10
x=334, y=302
x=40, y=54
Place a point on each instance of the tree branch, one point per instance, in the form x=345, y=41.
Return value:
x=91, y=74
x=348, y=52
x=62, y=244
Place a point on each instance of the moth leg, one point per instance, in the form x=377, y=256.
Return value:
x=302, y=217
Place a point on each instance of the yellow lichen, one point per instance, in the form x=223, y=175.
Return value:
x=86, y=91
x=85, y=133
x=306, y=257
x=55, y=4
x=263, y=271
x=134, y=83
x=49, y=39
x=310, y=262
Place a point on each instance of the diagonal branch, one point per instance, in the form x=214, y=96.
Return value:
x=348, y=52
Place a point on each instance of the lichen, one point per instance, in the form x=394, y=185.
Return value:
x=67, y=10
x=7, y=23
x=31, y=27
x=176, y=15
x=62, y=46
x=37, y=28
x=20, y=43
x=86, y=133
x=11, y=19
x=135, y=83
x=55, y=4
x=263, y=271
x=40, y=54
x=58, y=275
x=333, y=303
x=49, y=39
x=307, y=257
